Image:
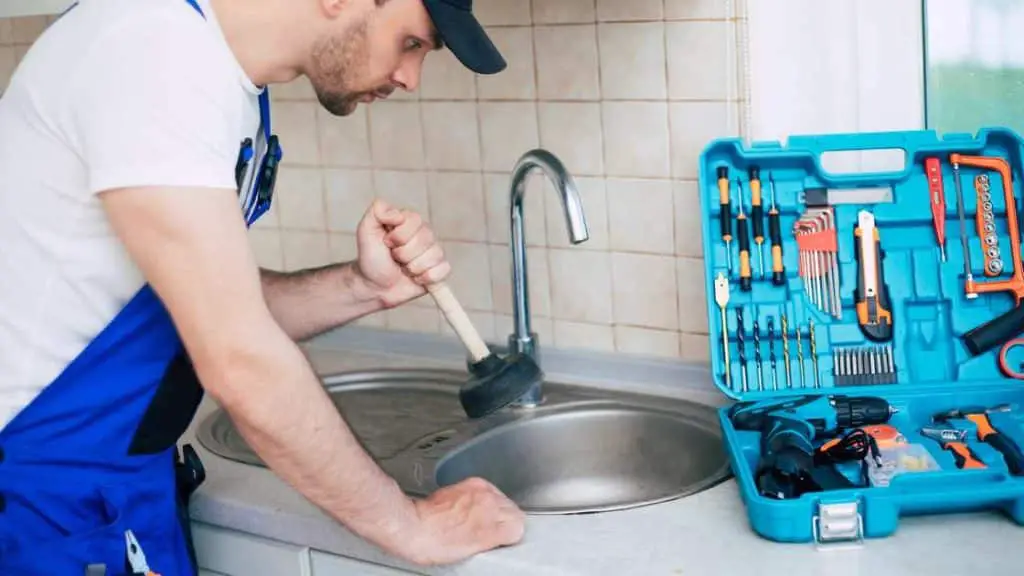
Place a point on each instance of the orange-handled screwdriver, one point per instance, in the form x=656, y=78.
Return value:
x=757, y=215
x=743, y=235
x=724, y=214
x=775, y=234
x=938, y=201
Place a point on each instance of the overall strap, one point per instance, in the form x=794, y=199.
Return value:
x=264, y=95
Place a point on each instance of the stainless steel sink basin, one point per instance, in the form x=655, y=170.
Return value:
x=583, y=450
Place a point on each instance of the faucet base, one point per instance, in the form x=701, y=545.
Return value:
x=527, y=347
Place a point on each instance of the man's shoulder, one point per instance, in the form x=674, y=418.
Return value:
x=133, y=33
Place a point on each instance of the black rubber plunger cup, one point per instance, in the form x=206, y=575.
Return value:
x=494, y=382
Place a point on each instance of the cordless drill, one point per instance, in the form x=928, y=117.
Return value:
x=788, y=427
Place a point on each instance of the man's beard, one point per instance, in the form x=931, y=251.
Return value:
x=336, y=61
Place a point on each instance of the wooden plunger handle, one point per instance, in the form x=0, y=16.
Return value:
x=459, y=321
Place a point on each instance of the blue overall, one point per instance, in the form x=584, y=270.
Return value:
x=95, y=454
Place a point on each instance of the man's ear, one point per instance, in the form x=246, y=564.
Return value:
x=334, y=8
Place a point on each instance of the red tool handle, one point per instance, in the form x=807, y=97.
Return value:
x=938, y=199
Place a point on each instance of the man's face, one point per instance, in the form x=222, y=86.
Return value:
x=373, y=47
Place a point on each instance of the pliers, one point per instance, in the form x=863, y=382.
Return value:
x=136, y=557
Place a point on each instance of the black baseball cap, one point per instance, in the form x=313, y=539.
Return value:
x=464, y=36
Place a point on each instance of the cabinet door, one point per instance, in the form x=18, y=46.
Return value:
x=324, y=564
x=237, y=554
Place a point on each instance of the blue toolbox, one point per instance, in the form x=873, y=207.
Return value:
x=868, y=326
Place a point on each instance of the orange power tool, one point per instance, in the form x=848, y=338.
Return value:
x=1002, y=328
x=989, y=434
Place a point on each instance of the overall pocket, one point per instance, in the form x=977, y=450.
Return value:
x=101, y=543
x=147, y=507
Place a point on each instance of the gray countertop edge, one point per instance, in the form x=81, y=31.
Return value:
x=707, y=533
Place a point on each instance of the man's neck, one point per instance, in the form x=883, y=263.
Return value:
x=261, y=35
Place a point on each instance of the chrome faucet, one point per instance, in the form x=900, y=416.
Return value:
x=523, y=340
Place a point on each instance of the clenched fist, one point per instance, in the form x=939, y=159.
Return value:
x=398, y=253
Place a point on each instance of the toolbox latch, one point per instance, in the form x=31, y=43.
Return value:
x=838, y=522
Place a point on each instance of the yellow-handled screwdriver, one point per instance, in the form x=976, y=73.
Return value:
x=725, y=214
x=743, y=234
x=757, y=215
x=775, y=233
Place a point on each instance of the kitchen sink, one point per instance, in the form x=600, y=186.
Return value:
x=582, y=450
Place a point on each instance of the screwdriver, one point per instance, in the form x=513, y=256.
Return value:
x=725, y=214
x=938, y=202
x=744, y=238
x=757, y=215
x=775, y=233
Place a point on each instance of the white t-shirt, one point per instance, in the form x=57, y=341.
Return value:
x=115, y=93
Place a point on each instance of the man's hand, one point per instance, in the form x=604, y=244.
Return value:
x=464, y=519
x=398, y=258
x=398, y=254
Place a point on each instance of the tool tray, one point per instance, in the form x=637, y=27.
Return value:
x=922, y=368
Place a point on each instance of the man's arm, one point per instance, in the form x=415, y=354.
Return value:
x=309, y=302
x=191, y=246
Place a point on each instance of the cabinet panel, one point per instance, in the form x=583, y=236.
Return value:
x=324, y=564
x=234, y=553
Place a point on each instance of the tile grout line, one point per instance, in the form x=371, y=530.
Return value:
x=609, y=260
x=478, y=110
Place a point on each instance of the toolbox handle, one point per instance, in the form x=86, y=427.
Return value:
x=907, y=143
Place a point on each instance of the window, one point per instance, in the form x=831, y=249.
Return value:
x=816, y=67
x=974, y=64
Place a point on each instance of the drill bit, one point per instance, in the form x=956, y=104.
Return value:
x=785, y=353
x=722, y=299
x=800, y=356
x=771, y=352
x=740, y=345
x=814, y=355
x=757, y=357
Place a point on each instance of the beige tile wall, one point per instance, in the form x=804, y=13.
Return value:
x=625, y=93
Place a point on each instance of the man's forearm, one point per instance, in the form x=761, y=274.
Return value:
x=281, y=410
x=309, y=302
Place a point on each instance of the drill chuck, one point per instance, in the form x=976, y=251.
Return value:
x=862, y=411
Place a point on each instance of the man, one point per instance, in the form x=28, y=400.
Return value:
x=135, y=148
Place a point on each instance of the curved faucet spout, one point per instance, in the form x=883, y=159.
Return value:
x=523, y=340
x=565, y=187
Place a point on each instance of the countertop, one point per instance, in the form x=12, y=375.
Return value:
x=705, y=534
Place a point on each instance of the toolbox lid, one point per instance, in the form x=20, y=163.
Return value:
x=849, y=289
